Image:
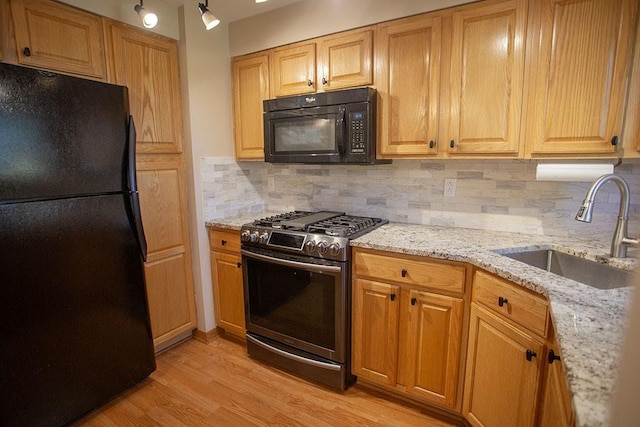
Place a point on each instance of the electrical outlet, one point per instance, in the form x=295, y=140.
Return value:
x=271, y=183
x=450, y=187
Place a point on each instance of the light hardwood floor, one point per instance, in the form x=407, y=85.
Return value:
x=199, y=384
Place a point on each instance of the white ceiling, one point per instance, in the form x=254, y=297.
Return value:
x=233, y=10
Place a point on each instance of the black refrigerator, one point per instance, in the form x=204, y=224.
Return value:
x=74, y=319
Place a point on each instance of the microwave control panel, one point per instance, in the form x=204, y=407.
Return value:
x=357, y=132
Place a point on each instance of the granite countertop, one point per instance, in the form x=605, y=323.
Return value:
x=589, y=322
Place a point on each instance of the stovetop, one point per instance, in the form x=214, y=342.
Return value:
x=323, y=234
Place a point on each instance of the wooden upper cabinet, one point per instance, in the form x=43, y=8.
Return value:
x=148, y=65
x=579, y=60
x=250, y=76
x=486, y=78
x=346, y=60
x=407, y=76
x=293, y=69
x=57, y=37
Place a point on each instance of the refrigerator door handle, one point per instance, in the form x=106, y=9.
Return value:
x=133, y=189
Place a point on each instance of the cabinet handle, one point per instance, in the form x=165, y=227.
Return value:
x=309, y=82
x=531, y=355
x=324, y=81
x=404, y=273
x=502, y=301
x=452, y=143
x=239, y=264
x=224, y=242
x=614, y=140
x=414, y=301
x=432, y=144
x=393, y=297
x=552, y=357
x=27, y=51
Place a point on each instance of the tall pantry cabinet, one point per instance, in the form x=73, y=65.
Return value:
x=148, y=65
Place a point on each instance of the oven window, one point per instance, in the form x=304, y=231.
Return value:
x=310, y=134
x=293, y=302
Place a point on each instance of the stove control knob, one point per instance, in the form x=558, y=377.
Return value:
x=254, y=237
x=264, y=238
x=322, y=247
x=310, y=246
x=244, y=236
x=334, y=249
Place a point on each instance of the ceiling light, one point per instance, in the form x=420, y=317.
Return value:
x=208, y=18
x=260, y=1
x=149, y=19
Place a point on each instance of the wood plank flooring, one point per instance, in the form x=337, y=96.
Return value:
x=217, y=384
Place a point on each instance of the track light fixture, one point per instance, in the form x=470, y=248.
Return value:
x=149, y=19
x=208, y=18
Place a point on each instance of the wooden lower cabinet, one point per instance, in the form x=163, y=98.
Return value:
x=226, y=271
x=407, y=338
x=555, y=402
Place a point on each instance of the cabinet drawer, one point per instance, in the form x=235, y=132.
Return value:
x=430, y=274
x=511, y=301
x=224, y=240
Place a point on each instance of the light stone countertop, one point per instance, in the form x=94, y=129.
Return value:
x=589, y=323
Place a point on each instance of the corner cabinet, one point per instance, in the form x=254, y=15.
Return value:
x=58, y=37
x=250, y=76
x=505, y=353
x=148, y=65
x=578, y=67
x=408, y=325
x=226, y=271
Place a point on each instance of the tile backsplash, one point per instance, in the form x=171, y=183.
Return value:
x=500, y=195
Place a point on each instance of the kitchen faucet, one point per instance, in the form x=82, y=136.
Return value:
x=620, y=240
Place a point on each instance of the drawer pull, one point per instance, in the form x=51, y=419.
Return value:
x=531, y=355
x=239, y=264
x=393, y=297
x=414, y=301
x=404, y=273
x=224, y=242
x=502, y=301
x=553, y=356
x=26, y=51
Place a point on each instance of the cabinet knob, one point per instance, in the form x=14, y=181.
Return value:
x=224, y=242
x=309, y=82
x=393, y=297
x=432, y=144
x=502, y=301
x=614, y=140
x=27, y=51
x=239, y=264
x=404, y=273
x=324, y=81
x=531, y=355
x=552, y=357
x=414, y=301
x=452, y=143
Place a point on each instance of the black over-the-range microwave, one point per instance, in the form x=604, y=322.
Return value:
x=326, y=127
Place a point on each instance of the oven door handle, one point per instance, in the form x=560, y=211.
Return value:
x=317, y=363
x=295, y=264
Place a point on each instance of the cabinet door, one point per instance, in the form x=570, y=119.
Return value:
x=487, y=72
x=407, y=75
x=58, y=37
x=228, y=292
x=501, y=384
x=148, y=65
x=579, y=74
x=376, y=310
x=433, y=347
x=346, y=60
x=555, y=410
x=168, y=271
x=293, y=70
x=250, y=87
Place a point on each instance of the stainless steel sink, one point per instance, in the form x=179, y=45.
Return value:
x=601, y=276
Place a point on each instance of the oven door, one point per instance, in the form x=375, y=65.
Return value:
x=305, y=135
x=298, y=301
